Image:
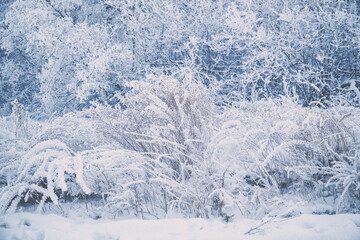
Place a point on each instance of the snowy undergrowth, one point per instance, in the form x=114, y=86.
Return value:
x=171, y=152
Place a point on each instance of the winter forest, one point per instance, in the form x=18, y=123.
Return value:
x=155, y=109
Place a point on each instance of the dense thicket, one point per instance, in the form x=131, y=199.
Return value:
x=201, y=108
x=58, y=55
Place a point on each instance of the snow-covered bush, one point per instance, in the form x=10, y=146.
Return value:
x=345, y=176
x=43, y=171
x=165, y=126
x=39, y=166
x=344, y=169
x=121, y=178
x=138, y=184
x=17, y=133
x=265, y=149
x=169, y=117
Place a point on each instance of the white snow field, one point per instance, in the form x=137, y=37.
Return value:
x=29, y=226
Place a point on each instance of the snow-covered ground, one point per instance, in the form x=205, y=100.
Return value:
x=28, y=226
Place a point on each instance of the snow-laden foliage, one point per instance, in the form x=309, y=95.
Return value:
x=281, y=148
x=42, y=171
x=199, y=108
x=291, y=48
x=59, y=55
x=165, y=150
x=166, y=124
